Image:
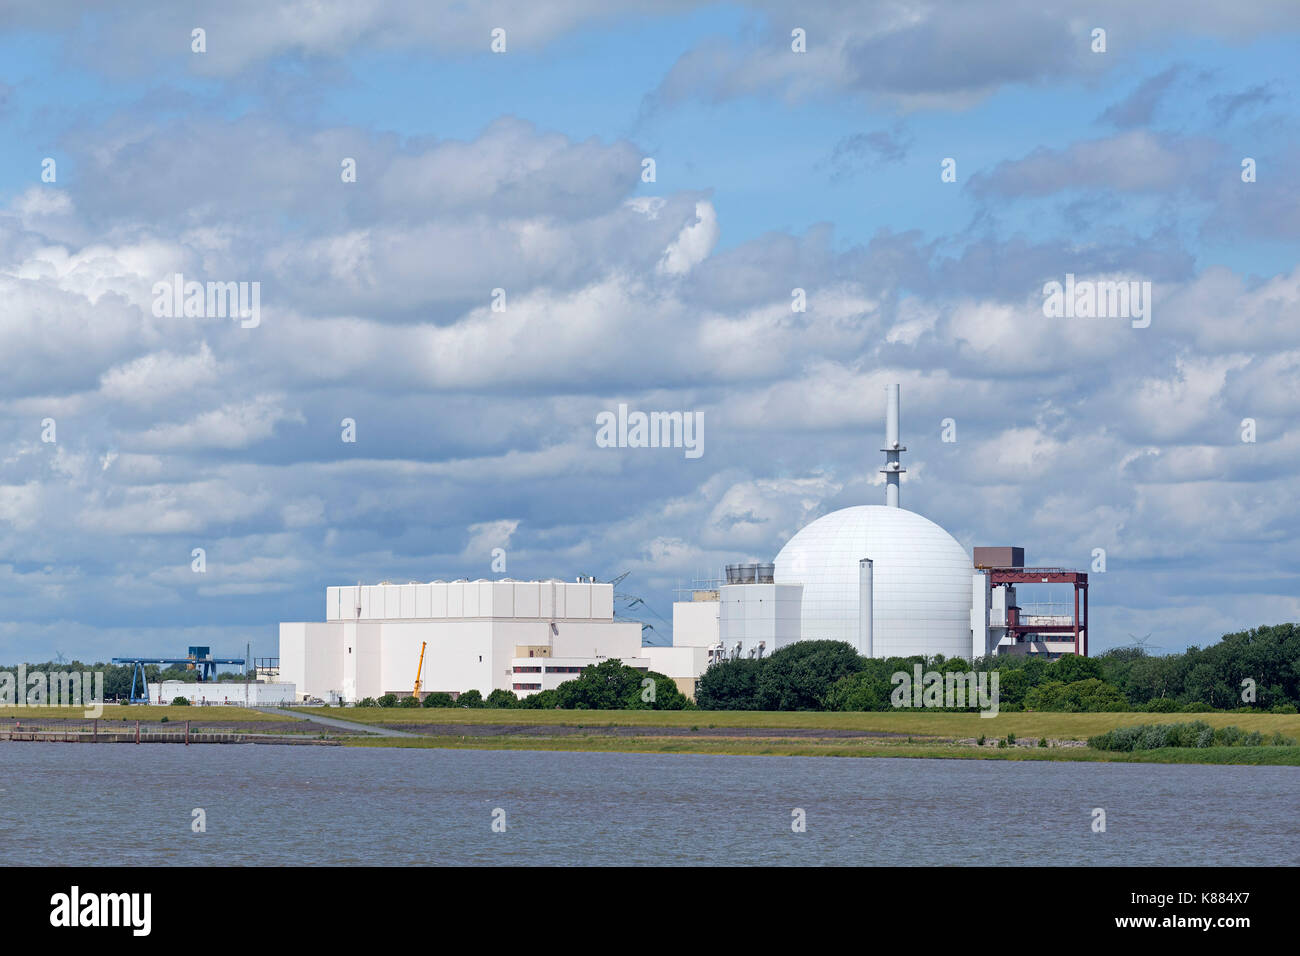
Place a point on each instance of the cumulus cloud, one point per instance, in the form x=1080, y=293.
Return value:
x=244, y=33
x=941, y=53
x=475, y=425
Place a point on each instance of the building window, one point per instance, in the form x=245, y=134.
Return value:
x=528, y=687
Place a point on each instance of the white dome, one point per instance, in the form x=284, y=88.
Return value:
x=921, y=581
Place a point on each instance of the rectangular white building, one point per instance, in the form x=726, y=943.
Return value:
x=203, y=693
x=756, y=619
x=522, y=636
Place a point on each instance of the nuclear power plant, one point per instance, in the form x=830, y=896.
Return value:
x=886, y=580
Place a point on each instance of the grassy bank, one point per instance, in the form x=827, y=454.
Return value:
x=918, y=733
x=921, y=723
x=872, y=747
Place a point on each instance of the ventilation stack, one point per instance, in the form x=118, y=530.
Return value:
x=866, y=606
x=893, y=467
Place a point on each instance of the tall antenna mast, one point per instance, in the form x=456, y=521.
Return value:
x=893, y=468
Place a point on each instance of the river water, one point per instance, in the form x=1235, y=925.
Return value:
x=273, y=805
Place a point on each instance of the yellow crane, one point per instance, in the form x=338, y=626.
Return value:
x=418, y=670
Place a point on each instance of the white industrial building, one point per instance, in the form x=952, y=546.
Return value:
x=522, y=636
x=203, y=693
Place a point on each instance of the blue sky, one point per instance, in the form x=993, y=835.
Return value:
x=520, y=170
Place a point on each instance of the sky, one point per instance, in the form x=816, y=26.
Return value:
x=920, y=170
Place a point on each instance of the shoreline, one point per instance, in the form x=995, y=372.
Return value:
x=922, y=735
x=785, y=747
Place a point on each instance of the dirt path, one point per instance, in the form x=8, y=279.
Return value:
x=344, y=725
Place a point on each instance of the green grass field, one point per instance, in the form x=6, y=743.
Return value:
x=1059, y=726
x=873, y=747
x=758, y=733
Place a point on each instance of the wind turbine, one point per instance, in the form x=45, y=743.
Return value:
x=1143, y=644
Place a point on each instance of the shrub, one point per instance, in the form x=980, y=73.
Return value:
x=367, y=702
x=542, y=700
x=501, y=698
x=613, y=685
x=1195, y=734
x=180, y=702
x=409, y=701
x=1090, y=695
x=470, y=698
x=438, y=699
x=388, y=700
x=1042, y=741
x=1160, y=705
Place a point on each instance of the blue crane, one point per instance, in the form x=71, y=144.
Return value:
x=200, y=659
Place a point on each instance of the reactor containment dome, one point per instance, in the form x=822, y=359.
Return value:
x=922, y=581
x=888, y=581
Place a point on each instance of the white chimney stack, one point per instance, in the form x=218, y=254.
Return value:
x=866, y=598
x=893, y=468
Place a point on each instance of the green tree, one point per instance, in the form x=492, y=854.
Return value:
x=799, y=675
x=864, y=690
x=612, y=685
x=438, y=699
x=1069, y=668
x=1013, y=685
x=729, y=685
x=1035, y=670
x=542, y=700
x=469, y=698
x=502, y=699
x=1091, y=695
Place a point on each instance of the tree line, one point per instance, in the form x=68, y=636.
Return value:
x=1255, y=670
x=609, y=685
